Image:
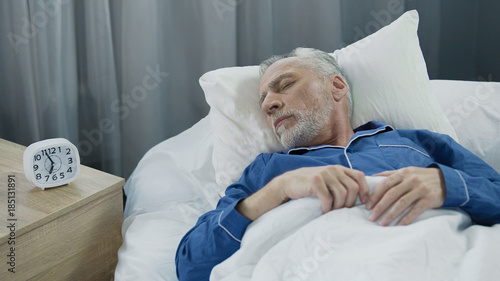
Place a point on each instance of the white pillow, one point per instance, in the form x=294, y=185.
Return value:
x=239, y=127
x=388, y=78
x=389, y=82
x=472, y=108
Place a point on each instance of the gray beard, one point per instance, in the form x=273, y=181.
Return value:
x=307, y=127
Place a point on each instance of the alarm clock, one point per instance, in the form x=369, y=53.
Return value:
x=51, y=162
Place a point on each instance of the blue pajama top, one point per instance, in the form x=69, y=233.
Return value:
x=471, y=184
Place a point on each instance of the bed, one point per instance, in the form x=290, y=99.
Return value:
x=183, y=177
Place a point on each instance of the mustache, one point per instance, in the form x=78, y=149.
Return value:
x=279, y=114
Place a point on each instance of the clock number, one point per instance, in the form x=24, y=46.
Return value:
x=70, y=160
x=68, y=151
x=50, y=150
x=61, y=175
x=69, y=170
x=38, y=157
x=35, y=168
x=38, y=176
x=54, y=177
x=47, y=177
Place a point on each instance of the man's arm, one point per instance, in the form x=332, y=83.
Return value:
x=215, y=237
x=461, y=179
x=217, y=234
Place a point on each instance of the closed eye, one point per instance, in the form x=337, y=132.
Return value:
x=280, y=83
x=286, y=85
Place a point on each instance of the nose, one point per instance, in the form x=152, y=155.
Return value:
x=271, y=103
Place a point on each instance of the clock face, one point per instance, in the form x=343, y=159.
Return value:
x=54, y=164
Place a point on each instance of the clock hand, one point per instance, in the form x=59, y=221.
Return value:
x=51, y=162
x=48, y=156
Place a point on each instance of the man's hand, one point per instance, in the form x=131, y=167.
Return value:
x=336, y=187
x=412, y=188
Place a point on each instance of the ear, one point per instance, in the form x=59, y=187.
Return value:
x=339, y=87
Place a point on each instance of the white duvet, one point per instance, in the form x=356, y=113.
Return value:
x=296, y=242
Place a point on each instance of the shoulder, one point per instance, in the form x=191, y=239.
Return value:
x=264, y=158
x=259, y=164
x=426, y=136
x=418, y=135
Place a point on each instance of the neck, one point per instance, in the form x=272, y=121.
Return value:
x=339, y=135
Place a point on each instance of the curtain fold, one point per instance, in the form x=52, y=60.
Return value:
x=116, y=77
x=99, y=126
x=163, y=47
x=38, y=82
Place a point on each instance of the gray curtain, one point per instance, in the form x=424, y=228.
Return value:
x=116, y=77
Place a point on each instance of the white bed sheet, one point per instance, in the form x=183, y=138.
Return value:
x=171, y=187
x=174, y=182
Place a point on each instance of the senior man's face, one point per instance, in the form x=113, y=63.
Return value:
x=296, y=102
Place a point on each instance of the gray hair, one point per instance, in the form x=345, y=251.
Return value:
x=317, y=61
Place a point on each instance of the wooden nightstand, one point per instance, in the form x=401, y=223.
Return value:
x=71, y=232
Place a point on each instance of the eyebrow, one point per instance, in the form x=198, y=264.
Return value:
x=273, y=84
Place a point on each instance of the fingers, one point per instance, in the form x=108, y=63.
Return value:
x=382, y=188
x=413, y=214
x=410, y=204
x=350, y=192
x=412, y=190
x=391, y=196
x=409, y=189
x=363, y=190
x=335, y=186
x=347, y=186
x=338, y=187
x=332, y=191
x=385, y=173
x=394, y=205
x=323, y=193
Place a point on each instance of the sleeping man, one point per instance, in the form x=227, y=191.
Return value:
x=307, y=103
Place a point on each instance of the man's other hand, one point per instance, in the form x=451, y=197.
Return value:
x=412, y=188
